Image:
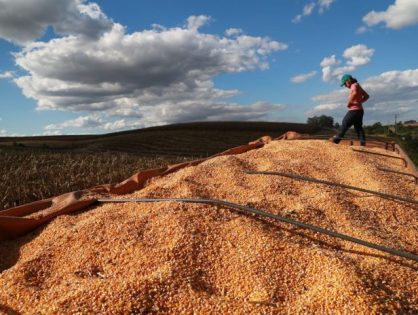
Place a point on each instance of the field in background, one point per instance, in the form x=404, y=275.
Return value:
x=35, y=168
x=192, y=139
x=28, y=175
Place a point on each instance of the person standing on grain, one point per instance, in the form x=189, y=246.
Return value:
x=355, y=112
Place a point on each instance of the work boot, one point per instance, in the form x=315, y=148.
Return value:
x=363, y=144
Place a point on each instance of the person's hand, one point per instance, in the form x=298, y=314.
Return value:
x=365, y=97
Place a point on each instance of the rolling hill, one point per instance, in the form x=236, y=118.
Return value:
x=188, y=139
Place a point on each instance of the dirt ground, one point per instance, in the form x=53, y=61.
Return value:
x=178, y=258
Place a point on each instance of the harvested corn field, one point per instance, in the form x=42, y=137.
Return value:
x=171, y=257
x=44, y=173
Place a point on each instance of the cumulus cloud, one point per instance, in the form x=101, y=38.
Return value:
x=7, y=75
x=5, y=133
x=308, y=9
x=80, y=122
x=398, y=15
x=358, y=55
x=355, y=56
x=362, y=29
x=122, y=124
x=143, y=68
x=156, y=76
x=196, y=22
x=23, y=21
x=233, y=31
x=392, y=92
x=163, y=114
x=303, y=77
x=52, y=133
x=324, y=5
x=188, y=111
x=329, y=61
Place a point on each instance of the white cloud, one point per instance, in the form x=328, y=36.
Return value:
x=79, y=122
x=158, y=76
x=324, y=5
x=233, y=31
x=390, y=92
x=308, y=9
x=118, y=125
x=22, y=21
x=189, y=111
x=398, y=15
x=362, y=29
x=52, y=133
x=358, y=55
x=326, y=65
x=7, y=75
x=355, y=56
x=118, y=79
x=5, y=133
x=196, y=22
x=329, y=61
x=167, y=114
x=303, y=77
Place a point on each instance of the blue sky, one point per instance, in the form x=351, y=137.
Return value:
x=77, y=67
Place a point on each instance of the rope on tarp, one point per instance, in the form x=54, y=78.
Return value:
x=320, y=181
x=253, y=211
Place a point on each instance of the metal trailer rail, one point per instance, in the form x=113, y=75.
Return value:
x=348, y=137
x=381, y=154
x=375, y=141
x=320, y=181
x=397, y=172
x=253, y=211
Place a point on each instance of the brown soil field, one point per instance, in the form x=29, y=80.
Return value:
x=173, y=258
x=43, y=174
x=188, y=139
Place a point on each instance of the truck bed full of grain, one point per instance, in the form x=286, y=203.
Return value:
x=168, y=257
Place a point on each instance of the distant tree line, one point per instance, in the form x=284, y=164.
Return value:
x=321, y=121
x=377, y=128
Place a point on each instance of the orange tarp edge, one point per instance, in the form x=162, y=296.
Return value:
x=17, y=221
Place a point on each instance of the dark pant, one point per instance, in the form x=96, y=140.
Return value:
x=353, y=117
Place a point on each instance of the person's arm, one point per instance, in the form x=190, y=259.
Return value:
x=357, y=94
x=365, y=96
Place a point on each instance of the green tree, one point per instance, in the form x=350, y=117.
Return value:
x=321, y=121
x=376, y=128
